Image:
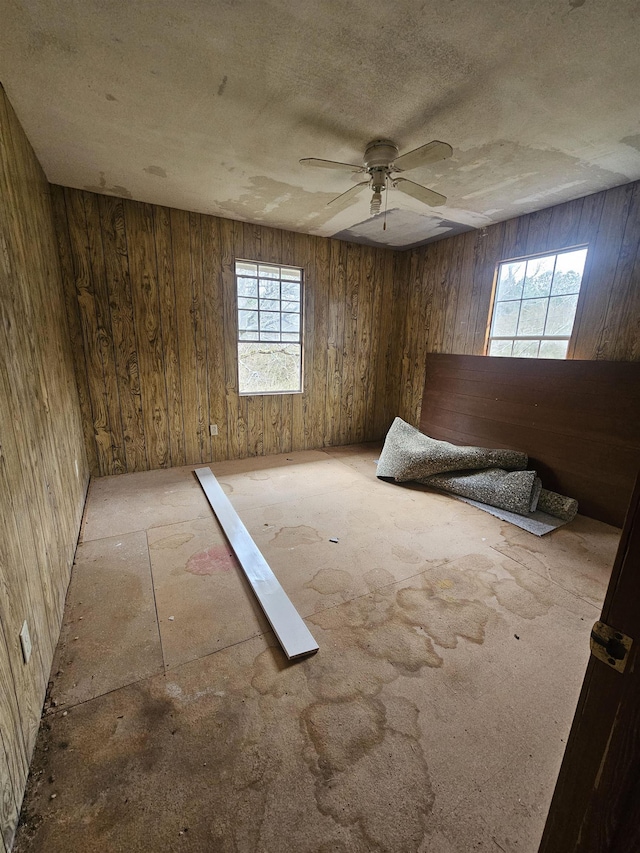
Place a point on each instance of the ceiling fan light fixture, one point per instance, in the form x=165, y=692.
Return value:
x=376, y=203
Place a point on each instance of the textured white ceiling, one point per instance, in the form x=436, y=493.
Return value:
x=208, y=105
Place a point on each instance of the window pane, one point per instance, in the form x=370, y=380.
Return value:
x=247, y=302
x=562, y=310
x=525, y=349
x=270, y=336
x=538, y=279
x=248, y=320
x=269, y=289
x=553, y=349
x=505, y=318
x=289, y=273
x=269, y=321
x=500, y=347
x=290, y=322
x=269, y=304
x=532, y=316
x=247, y=286
x=244, y=268
x=510, y=280
x=269, y=272
x=291, y=290
x=290, y=336
x=568, y=274
x=291, y=306
x=269, y=367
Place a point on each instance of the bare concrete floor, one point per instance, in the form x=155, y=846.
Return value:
x=432, y=720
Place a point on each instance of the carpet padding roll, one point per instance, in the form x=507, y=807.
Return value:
x=515, y=491
x=558, y=505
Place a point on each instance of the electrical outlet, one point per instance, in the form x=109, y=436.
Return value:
x=213, y=429
x=25, y=642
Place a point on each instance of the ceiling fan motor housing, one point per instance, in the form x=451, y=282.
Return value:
x=380, y=154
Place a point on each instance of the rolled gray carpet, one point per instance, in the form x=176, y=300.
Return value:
x=495, y=478
x=515, y=491
x=409, y=455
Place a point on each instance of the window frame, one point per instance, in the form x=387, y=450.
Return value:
x=299, y=342
x=496, y=277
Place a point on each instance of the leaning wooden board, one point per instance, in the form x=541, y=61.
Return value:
x=293, y=635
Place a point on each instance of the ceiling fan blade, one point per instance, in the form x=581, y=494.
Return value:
x=331, y=164
x=417, y=191
x=346, y=196
x=429, y=153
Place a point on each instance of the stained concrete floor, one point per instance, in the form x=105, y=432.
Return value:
x=432, y=720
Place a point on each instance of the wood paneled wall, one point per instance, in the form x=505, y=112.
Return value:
x=450, y=284
x=578, y=421
x=150, y=297
x=43, y=468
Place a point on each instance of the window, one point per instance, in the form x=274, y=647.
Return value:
x=535, y=305
x=269, y=328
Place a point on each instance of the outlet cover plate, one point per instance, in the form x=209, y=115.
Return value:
x=213, y=429
x=25, y=642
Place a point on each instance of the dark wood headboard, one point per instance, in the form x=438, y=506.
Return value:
x=579, y=421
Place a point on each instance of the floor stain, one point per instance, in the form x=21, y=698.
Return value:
x=217, y=558
x=290, y=537
x=406, y=554
x=330, y=581
x=176, y=540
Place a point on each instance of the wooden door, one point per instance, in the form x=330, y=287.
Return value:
x=596, y=803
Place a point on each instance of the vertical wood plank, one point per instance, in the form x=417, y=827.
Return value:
x=214, y=326
x=463, y=309
x=74, y=324
x=362, y=351
x=199, y=338
x=181, y=251
x=488, y=255
x=169, y=328
x=387, y=398
x=90, y=328
x=104, y=338
x=610, y=341
x=335, y=335
x=144, y=289
x=125, y=367
x=317, y=403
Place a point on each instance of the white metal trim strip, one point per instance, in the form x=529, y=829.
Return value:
x=288, y=626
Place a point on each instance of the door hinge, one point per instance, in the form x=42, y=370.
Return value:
x=610, y=646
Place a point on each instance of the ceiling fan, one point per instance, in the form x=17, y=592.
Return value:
x=381, y=163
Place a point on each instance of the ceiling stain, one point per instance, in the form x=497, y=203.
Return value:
x=632, y=141
x=102, y=187
x=576, y=4
x=110, y=97
x=155, y=170
x=223, y=85
x=277, y=200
